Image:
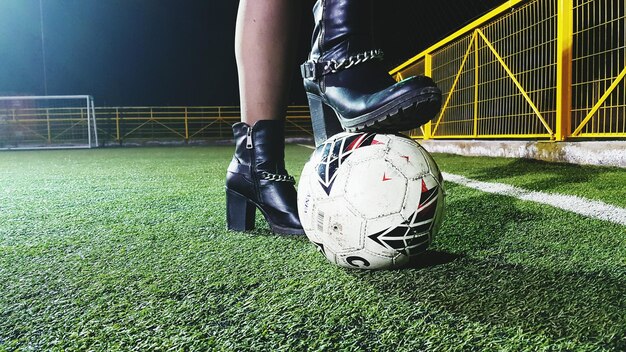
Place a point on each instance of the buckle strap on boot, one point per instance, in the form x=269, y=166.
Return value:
x=275, y=177
x=316, y=69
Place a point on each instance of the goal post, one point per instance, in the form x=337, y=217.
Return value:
x=48, y=122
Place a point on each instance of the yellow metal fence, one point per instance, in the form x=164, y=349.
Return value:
x=541, y=69
x=67, y=126
x=184, y=123
x=545, y=69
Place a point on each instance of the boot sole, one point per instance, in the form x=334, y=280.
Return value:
x=411, y=112
x=238, y=205
x=402, y=114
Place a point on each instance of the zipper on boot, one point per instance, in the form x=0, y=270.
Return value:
x=249, y=138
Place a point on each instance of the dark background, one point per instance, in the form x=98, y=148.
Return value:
x=175, y=52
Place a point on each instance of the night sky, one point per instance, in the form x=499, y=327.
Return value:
x=175, y=52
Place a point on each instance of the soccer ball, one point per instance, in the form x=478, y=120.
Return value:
x=370, y=201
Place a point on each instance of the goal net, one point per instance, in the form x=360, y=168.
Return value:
x=40, y=122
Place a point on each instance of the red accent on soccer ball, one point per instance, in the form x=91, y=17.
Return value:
x=357, y=142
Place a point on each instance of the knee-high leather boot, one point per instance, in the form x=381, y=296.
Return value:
x=347, y=86
x=257, y=178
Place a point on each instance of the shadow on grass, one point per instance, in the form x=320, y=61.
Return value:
x=559, y=174
x=469, y=276
x=572, y=306
x=473, y=223
x=432, y=258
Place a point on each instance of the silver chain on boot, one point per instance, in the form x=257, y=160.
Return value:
x=335, y=66
x=275, y=177
x=315, y=69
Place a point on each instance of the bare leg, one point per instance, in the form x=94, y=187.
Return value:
x=265, y=50
x=264, y=47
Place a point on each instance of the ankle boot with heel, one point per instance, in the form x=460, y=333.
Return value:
x=346, y=84
x=257, y=179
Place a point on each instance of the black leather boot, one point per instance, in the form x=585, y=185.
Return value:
x=347, y=86
x=257, y=178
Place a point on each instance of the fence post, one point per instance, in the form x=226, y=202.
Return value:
x=117, y=125
x=428, y=71
x=220, y=123
x=564, y=70
x=48, y=123
x=476, y=77
x=186, y=126
x=219, y=117
x=13, y=127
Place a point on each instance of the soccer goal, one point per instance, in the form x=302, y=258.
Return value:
x=47, y=122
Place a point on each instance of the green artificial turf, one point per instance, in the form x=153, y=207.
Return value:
x=126, y=249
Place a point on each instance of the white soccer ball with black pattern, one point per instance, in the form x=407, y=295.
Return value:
x=370, y=201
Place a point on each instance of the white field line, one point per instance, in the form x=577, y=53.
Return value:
x=578, y=205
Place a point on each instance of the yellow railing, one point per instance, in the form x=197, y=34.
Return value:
x=119, y=125
x=184, y=123
x=545, y=69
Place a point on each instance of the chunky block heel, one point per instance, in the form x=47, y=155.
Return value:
x=324, y=120
x=240, y=212
x=257, y=179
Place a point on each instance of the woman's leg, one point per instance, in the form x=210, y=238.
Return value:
x=256, y=176
x=265, y=51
